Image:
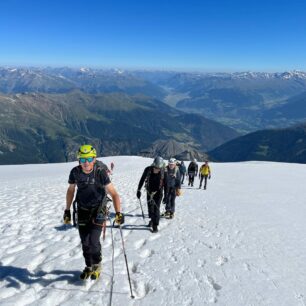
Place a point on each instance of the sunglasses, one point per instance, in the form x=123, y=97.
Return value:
x=83, y=160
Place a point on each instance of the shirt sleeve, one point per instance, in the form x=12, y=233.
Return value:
x=71, y=179
x=143, y=177
x=165, y=182
x=178, y=180
x=105, y=178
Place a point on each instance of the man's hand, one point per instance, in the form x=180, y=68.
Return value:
x=67, y=216
x=178, y=192
x=119, y=219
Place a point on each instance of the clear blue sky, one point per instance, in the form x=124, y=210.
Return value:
x=204, y=35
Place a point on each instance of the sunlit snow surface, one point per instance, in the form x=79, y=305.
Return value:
x=240, y=242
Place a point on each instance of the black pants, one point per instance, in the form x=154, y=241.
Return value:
x=90, y=235
x=205, y=180
x=191, y=178
x=154, y=206
x=170, y=205
x=182, y=178
x=90, y=238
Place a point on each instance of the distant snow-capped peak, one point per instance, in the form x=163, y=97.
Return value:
x=293, y=74
x=84, y=69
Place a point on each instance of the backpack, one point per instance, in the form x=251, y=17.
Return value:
x=182, y=168
x=192, y=167
x=98, y=167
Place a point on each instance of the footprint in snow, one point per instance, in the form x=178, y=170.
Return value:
x=153, y=237
x=139, y=243
x=213, y=284
x=213, y=288
x=221, y=260
x=141, y=289
x=135, y=267
x=247, y=267
x=201, y=263
x=16, y=249
x=146, y=253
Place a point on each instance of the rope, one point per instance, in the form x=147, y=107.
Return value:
x=113, y=263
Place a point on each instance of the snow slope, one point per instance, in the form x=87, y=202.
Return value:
x=240, y=242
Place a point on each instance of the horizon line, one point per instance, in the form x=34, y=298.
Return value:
x=148, y=69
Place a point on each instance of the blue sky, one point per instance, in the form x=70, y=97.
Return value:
x=184, y=35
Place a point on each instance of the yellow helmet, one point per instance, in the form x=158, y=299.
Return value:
x=86, y=151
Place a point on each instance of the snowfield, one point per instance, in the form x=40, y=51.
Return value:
x=240, y=242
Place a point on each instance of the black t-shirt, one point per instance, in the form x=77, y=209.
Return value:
x=90, y=186
x=154, y=183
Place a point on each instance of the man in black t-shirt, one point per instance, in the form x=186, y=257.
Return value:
x=92, y=182
x=192, y=172
x=155, y=178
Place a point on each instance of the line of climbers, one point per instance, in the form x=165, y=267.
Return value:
x=90, y=205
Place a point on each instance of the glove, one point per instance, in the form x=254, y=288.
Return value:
x=178, y=192
x=209, y=177
x=67, y=216
x=138, y=194
x=119, y=219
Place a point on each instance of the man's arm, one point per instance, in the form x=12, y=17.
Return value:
x=178, y=180
x=110, y=189
x=165, y=182
x=70, y=195
x=143, y=178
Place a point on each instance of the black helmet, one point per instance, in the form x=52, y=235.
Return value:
x=158, y=162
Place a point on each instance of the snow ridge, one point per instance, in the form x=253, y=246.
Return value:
x=240, y=242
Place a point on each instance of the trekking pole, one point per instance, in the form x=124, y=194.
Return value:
x=74, y=214
x=113, y=261
x=141, y=209
x=126, y=263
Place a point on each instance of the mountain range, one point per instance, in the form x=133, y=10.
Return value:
x=242, y=100
x=46, y=112
x=40, y=127
x=64, y=80
x=280, y=145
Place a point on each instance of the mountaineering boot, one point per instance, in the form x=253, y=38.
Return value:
x=154, y=229
x=171, y=215
x=164, y=214
x=96, y=271
x=204, y=187
x=86, y=273
x=167, y=214
x=200, y=187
